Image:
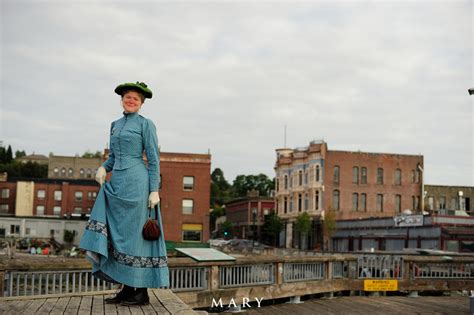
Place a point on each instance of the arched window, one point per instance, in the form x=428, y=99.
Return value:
x=63, y=171
x=70, y=172
x=317, y=173
x=336, y=174
x=81, y=172
x=316, y=200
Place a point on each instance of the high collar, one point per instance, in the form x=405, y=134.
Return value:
x=130, y=115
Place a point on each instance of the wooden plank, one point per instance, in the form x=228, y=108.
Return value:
x=86, y=305
x=60, y=305
x=171, y=302
x=148, y=309
x=109, y=308
x=135, y=310
x=47, y=306
x=21, y=306
x=122, y=310
x=98, y=305
x=73, y=305
x=156, y=304
x=34, y=306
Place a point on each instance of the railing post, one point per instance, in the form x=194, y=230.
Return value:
x=279, y=272
x=214, y=278
x=2, y=283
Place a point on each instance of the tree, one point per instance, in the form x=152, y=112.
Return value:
x=303, y=227
x=9, y=155
x=244, y=183
x=220, y=188
x=272, y=227
x=89, y=154
x=329, y=225
x=19, y=154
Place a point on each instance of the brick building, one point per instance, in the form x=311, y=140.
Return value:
x=247, y=215
x=449, y=200
x=352, y=183
x=72, y=167
x=184, y=192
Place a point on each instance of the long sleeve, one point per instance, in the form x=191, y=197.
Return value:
x=150, y=143
x=109, y=164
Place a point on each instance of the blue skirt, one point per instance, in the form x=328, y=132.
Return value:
x=113, y=236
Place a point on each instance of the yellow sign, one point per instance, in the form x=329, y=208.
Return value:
x=380, y=285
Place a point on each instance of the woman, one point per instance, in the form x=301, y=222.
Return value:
x=113, y=236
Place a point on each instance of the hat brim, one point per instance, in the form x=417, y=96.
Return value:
x=133, y=86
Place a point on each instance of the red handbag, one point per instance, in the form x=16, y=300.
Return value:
x=151, y=229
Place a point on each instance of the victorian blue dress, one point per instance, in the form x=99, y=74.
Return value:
x=113, y=235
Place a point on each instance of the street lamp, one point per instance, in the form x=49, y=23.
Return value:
x=254, y=215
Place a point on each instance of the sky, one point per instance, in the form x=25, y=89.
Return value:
x=227, y=76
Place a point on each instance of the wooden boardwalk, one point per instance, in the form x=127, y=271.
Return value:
x=161, y=302
x=456, y=305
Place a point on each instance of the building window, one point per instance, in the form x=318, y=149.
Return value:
x=335, y=199
x=363, y=175
x=300, y=178
x=56, y=210
x=398, y=176
x=40, y=210
x=89, y=173
x=363, y=202
x=285, y=204
x=430, y=203
x=71, y=172
x=454, y=203
x=58, y=195
x=291, y=204
x=355, y=201
x=379, y=203
x=14, y=229
x=300, y=197
x=277, y=184
x=442, y=202
x=78, y=195
x=417, y=176
x=56, y=171
x=316, y=201
x=380, y=176
x=3, y=208
x=192, y=232
x=336, y=174
x=188, y=206
x=286, y=182
x=317, y=173
x=91, y=195
x=78, y=210
x=398, y=203
x=81, y=172
x=355, y=175
x=306, y=202
x=306, y=178
x=188, y=183
x=63, y=171
x=5, y=193
x=416, y=202
x=41, y=194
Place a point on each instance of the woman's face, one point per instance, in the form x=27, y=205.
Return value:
x=131, y=102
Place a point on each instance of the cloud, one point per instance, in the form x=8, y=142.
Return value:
x=374, y=76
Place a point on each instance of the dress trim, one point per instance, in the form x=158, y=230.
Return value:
x=96, y=226
x=138, y=261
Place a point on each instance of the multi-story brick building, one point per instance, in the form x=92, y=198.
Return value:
x=184, y=192
x=354, y=184
x=247, y=215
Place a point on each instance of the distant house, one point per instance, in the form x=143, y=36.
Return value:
x=35, y=158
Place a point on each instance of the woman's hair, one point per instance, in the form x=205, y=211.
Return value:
x=134, y=90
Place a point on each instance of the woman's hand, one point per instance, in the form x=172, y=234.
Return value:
x=100, y=175
x=153, y=199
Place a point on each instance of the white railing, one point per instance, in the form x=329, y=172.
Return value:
x=380, y=266
x=442, y=270
x=28, y=283
x=293, y=272
x=188, y=278
x=246, y=275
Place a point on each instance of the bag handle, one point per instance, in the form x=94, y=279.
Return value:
x=156, y=212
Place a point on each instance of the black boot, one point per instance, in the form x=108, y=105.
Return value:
x=122, y=295
x=139, y=297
